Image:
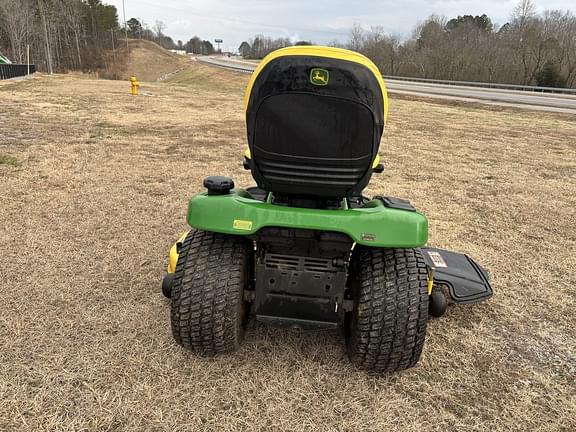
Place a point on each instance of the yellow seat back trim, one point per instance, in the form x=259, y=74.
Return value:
x=320, y=51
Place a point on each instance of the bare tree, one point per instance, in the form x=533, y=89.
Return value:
x=72, y=14
x=62, y=34
x=15, y=16
x=159, y=28
x=523, y=12
x=260, y=45
x=382, y=49
x=46, y=37
x=335, y=43
x=470, y=48
x=356, y=38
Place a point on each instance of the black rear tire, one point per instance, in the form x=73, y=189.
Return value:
x=386, y=330
x=208, y=309
x=167, y=285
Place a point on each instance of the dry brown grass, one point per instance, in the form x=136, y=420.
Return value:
x=101, y=192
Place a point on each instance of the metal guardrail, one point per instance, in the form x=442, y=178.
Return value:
x=485, y=85
x=236, y=68
x=247, y=69
x=8, y=71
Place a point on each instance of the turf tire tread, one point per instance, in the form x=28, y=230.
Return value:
x=207, y=305
x=387, y=327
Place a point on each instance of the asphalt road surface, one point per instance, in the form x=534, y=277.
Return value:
x=512, y=98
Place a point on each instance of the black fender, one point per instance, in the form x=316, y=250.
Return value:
x=466, y=280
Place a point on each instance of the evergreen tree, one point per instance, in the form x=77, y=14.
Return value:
x=549, y=76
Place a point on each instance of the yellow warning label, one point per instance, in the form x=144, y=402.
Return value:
x=243, y=225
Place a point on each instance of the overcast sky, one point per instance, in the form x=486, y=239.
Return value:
x=318, y=20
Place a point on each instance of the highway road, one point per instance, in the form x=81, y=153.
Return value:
x=500, y=97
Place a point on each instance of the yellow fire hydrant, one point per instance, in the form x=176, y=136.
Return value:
x=135, y=85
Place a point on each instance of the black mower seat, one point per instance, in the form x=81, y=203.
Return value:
x=315, y=117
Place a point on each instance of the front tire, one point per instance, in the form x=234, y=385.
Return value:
x=208, y=309
x=386, y=330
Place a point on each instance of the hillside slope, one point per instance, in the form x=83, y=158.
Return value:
x=212, y=78
x=147, y=60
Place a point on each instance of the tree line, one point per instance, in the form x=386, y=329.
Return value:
x=137, y=29
x=530, y=49
x=260, y=46
x=68, y=35
x=61, y=34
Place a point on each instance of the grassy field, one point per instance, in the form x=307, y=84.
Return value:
x=95, y=189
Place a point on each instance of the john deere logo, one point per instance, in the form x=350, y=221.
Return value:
x=319, y=77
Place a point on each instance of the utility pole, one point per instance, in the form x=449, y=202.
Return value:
x=125, y=25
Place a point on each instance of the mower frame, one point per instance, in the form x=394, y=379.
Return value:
x=376, y=224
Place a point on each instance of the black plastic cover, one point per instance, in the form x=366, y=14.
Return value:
x=466, y=280
x=257, y=193
x=396, y=203
x=218, y=185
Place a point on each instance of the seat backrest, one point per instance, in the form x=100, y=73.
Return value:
x=315, y=117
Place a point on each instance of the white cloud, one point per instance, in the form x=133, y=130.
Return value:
x=316, y=20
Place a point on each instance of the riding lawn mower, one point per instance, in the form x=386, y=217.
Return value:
x=304, y=248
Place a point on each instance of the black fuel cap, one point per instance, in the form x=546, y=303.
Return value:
x=218, y=185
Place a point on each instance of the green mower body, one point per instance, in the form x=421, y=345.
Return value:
x=374, y=224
